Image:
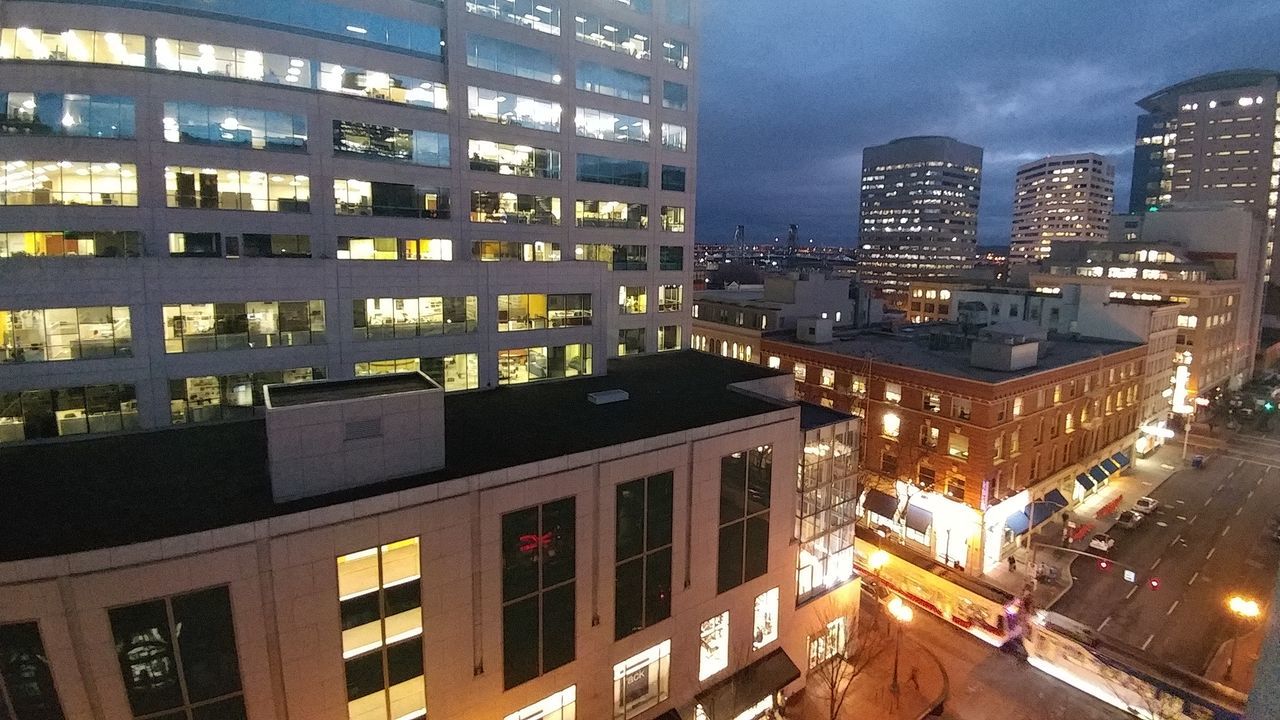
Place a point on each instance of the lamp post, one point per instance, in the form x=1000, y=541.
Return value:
x=878, y=560
x=1245, y=612
x=901, y=612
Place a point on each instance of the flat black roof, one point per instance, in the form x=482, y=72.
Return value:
x=816, y=416
x=353, y=389
x=121, y=489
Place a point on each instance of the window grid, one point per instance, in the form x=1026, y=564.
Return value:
x=23, y=663
x=538, y=590
x=643, y=539
x=745, y=488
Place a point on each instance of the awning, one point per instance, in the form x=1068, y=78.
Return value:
x=1109, y=465
x=1121, y=459
x=919, y=519
x=1017, y=523
x=1097, y=473
x=1039, y=512
x=739, y=692
x=1053, y=497
x=1085, y=481
x=880, y=503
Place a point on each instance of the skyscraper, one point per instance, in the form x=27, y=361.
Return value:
x=919, y=210
x=1060, y=198
x=1210, y=138
x=215, y=196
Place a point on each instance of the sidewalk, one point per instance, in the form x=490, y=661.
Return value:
x=1142, y=477
x=869, y=696
x=1247, y=649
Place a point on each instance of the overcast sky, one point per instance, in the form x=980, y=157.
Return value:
x=792, y=90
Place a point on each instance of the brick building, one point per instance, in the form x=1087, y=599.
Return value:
x=971, y=441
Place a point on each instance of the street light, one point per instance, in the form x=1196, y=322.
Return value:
x=901, y=612
x=878, y=559
x=1246, y=611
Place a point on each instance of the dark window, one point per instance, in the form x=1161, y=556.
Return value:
x=26, y=684
x=642, y=594
x=671, y=257
x=745, y=486
x=678, y=12
x=178, y=657
x=613, y=171
x=631, y=341
x=673, y=178
x=538, y=601
x=675, y=96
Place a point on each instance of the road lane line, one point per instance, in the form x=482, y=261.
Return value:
x=1192, y=521
x=1148, y=642
x=1175, y=541
x=1246, y=497
x=1238, y=511
x=1220, y=486
x=1104, y=623
x=1224, y=530
x=1211, y=551
x=1132, y=590
x=1193, y=577
x=1172, y=607
x=1157, y=562
x=1207, y=500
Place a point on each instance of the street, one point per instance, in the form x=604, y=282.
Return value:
x=987, y=683
x=1208, y=540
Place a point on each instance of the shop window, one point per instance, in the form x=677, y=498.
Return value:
x=384, y=318
x=25, y=677
x=498, y=251
x=613, y=171
x=713, y=646
x=380, y=601
x=631, y=341
x=538, y=311
x=525, y=365
x=196, y=123
x=514, y=160
x=417, y=147
x=514, y=208
x=540, y=15
x=633, y=300
x=745, y=487
x=54, y=334
x=252, y=190
x=209, y=398
x=611, y=214
x=389, y=248
x=612, y=82
x=87, y=243
x=765, y=626
x=673, y=219
x=669, y=339
x=559, y=706
x=82, y=46
x=507, y=108
x=675, y=137
x=70, y=115
x=178, y=656
x=451, y=372
x=642, y=573
x=640, y=682
x=676, y=52
x=511, y=58
x=202, y=327
x=670, y=298
x=538, y=590
x=612, y=126
x=611, y=35
x=383, y=199
x=66, y=182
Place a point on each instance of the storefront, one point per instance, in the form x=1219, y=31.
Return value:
x=1003, y=524
x=750, y=693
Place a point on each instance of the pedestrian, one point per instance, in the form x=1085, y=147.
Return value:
x=1013, y=564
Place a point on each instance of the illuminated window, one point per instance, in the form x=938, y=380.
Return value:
x=389, y=248
x=891, y=425
x=540, y=15
x=524, y=365
x=514, y=208
x=633, y=300
x=451, y=372
x=799, y=371
x=177, y=656
x=417, y=147
x=673, y=219
x=670, y=298
x=675, y=137
x=511, y=109
x=538, y=583
x=83, y=46
x=640, y=681
x=500, y=250
x=228, y=397
x=765, y=629
x=828, y=377
x=201, y=327
x=858, y=385
x=514, y=160
x=1017, y=406
x=52, y=334
x=957, y=445
x=775, y=362
x=713, y=655
x=933, y=402
x=380, y=597
x=537, y=311
x=827, y=643
x=66, y=182
x=560, y=706
x=384, y=318
x=617, y=127
x=611, y=214
x=611, y=35
x=222, y=189
x=66, y=411
x=1057, y=394
x=892, y=392
x=676, y=52
x=383, y=199
x=54, y=243
x=25, y=677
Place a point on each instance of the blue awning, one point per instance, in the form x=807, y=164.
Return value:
x=1017, y=523
x=880, y=503
x=1121, y=459
x=919, y=519
x=1053, y=497
x=1085, y=481
x=1110, y=466
x=1039, y=512
x=1097, y=473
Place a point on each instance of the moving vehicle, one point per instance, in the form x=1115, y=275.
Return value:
x=1146, y=505
x=1129, y=519
x=1102, y=541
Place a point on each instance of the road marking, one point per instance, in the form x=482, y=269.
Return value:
x=1224, y=530
x=1220, y=487
x=1175, y=541
x=1162, y=524
x=1193, y=577
x=1180, y=502
x=1148, y=642
x=1182, y=517
x=1167, y=466
x=1157, y=562
x=1238, y=511
x=1172, y=607
x=1104, y=623
x=1192, y=521
x=1211, y=551
x=1132, y=590
x=1239, y=464
x=1207, y=500
x=1246, y=497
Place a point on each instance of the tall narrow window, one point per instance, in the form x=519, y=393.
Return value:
x=765, y=629
x=642, y=580
x=178, y=656
x=26, y=684
x=713, y=655
x=380, y=593
x=745, y=487
x=538, y=602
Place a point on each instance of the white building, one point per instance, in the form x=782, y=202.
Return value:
x=1060, y=198
x=200, y=198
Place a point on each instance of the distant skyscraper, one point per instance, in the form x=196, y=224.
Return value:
x=919, y=210
x=1060, y=198
x=1210, y=138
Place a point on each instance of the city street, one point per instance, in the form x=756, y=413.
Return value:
x=1209, y=539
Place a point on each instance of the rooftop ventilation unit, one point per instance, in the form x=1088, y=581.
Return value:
x=604, y=397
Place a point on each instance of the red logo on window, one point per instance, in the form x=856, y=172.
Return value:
x=531, y=543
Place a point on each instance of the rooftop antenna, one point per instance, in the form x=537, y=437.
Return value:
x=740, y=240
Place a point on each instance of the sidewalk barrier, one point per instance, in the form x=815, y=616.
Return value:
x=1081, y=531
x=1109, y=508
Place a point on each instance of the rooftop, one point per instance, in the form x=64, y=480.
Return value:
x=330, y=390
x=910, y=347
x=1223, y=80
x=115, y=490
x=816, y=416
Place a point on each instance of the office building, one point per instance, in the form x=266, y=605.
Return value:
x=620, y=546
x=1210, y=138
x=974, y=437
x=919, y=211
x=1061, y=198
x=202, y=198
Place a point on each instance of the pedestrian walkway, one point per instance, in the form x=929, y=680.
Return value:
x=1245, y=652
x=1141, y=478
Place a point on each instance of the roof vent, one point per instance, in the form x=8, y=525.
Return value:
x=604, y=397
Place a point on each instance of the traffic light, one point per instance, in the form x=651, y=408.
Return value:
x=1154, y=583
x=1104, y=564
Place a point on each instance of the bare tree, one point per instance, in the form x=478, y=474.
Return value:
x=831, y=679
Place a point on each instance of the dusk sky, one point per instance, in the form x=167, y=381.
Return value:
x=791, y=91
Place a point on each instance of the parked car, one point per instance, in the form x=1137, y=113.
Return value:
x=1102, y=541
x=1129, y=519
x=1146, y=505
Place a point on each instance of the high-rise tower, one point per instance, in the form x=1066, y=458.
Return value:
x=1061, y=198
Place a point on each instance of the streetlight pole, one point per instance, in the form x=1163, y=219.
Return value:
x=902, y=613
x=1245, y=611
